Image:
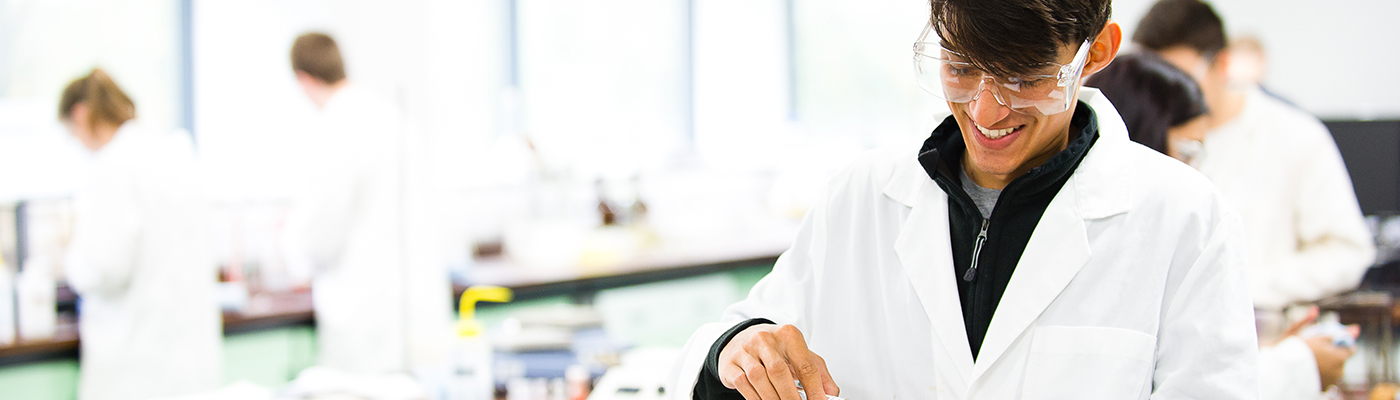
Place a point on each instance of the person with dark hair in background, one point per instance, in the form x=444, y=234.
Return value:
x=1280, y=168
x=141, y=258
x=1161, y=105
x=1025, y=249
x=345, y=228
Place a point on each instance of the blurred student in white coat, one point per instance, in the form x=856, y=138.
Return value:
x=347, y=225
x=1279, y=167
x=140, y=257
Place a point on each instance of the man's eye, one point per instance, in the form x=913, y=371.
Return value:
x=1029, y=82
x=959, y=71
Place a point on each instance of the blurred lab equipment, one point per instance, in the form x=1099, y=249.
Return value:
x=472, y=364
x=35, y=299
x=7, y=304
x=641, y=375
x=579, y=382
x=330, y=383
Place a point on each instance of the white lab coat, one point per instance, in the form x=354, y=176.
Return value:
x=142, y=262
x=1280, y=168
x=1131, y=286
x=347, y=226
x=366, y=227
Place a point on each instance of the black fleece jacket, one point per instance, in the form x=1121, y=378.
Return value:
x=1011, y=223
x=1008, y=230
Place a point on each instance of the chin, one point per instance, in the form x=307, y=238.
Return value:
x=995, y=165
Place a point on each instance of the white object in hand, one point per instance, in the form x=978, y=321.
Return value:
x=1330, y=326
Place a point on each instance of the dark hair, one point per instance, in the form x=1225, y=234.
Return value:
x=317, y=55
x=1151, y=95
x=1011, y=37
x=106, y=102
x=1189, y=23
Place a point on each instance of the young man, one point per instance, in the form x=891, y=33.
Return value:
x=1279, y=167
x=1026, y=249
x=347, y=223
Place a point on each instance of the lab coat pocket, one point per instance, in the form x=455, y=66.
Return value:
x=1070, y=362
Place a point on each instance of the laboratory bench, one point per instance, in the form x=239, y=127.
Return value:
x=264, y=311
x=578, y=284
x=583, y=282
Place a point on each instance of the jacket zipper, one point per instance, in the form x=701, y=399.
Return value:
x=977, y=252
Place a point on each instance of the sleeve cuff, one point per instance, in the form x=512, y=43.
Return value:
x=1288, y=371
x=709, y=385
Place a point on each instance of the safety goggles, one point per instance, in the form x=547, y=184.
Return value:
x=950, y=76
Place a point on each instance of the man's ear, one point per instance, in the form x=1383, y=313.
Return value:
x=81, y=115
x=304, y=77
x=1104, y=48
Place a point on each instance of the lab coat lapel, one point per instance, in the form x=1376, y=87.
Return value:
x=1058, y=249
x=1059, y=246
x=925, y=250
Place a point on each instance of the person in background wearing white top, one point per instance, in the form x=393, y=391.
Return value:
x=346, y=227
x=1280, y=168
x=141, y=257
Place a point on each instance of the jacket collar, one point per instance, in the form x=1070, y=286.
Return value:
x=1098, y=188
x=1100, y=181
x=941, y=158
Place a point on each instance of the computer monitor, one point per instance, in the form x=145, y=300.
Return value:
x=1371, y=150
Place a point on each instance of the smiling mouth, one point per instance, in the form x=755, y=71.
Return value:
x=996, y=133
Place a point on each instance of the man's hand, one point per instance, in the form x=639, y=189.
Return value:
x=1330, y=359
x=1298, y=327
x=763, y=361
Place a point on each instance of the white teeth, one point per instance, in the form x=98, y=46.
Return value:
x=994, y=134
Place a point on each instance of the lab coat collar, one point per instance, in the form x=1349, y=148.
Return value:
x=1059, y=246
x=342, y=99
x=128, y=133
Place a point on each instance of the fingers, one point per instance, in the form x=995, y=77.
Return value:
x=745, y=388
x=828, y=384
x=779, y=372
x=763, y=363
x=1354, y=330
x=802, y=362
x=1307, y=320
x=757, y=376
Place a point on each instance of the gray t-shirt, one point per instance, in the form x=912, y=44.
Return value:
x=984, y=198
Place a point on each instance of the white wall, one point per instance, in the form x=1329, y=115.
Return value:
x=1334, y=58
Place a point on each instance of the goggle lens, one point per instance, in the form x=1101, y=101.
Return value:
x=950, y=79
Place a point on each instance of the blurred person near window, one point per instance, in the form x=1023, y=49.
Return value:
x=345, y=230
x=1162, y=106
x=1280, y=168
x=141, y=256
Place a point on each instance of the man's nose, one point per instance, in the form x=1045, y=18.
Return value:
x=985, y=110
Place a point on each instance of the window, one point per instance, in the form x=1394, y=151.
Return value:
x=604, y=84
